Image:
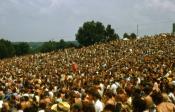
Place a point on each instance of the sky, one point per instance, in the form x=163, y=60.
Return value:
x=44, y=20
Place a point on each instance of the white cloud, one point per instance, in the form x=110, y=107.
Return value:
x=55, y=3
x=51, y=18
x=16, y=2
x=35, y=6
x=162, y=5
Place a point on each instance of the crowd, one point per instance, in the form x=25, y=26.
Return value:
x=117, y=76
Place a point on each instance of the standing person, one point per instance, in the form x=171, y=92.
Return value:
x=161, y=105
x=74, y=67
x=99, y=106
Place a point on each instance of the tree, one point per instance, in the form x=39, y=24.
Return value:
x=133, y=36
x=6, y=49
x=53, y=46
x=110, y=34
x=70, y=44
x=90, y=33
x=22, y=48
x=48, y=46
x=61, y=44
x=125, y=35
x=3, y=50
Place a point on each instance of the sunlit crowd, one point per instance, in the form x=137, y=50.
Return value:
x=117, y=76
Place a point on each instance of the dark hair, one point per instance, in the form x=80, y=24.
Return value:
x=76, y=107
x=157, y=97
x=109, y=107
x=147, y=89
x=139, y=105
x=110, y=94
x=88, y=107
x=42, y=105
x=26, y=98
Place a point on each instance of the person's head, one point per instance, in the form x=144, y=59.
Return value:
x=109, y=108
x=89, y=96
x=110, y=94
x=147, y=89
x=165, y=97
x=42, y=105
x=149, y=101
x=88, y=107
x=157, y=97
x=96, y=95
x=61, y=94
x=76, y=108
x=139, y=105
x=5, y=107
x=136, y=92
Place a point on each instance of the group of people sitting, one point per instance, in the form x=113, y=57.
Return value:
x=117, y=76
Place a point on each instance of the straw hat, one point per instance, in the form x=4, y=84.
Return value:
x=62, y=106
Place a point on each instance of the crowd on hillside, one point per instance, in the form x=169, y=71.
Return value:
x=118, y=76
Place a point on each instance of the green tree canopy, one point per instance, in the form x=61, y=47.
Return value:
x=133, y=36
x=125, y=35
x=6, y=49
x=92, y=32
x=61, y=44
x=53, y=45
x=22, y=48
x=3, y=50
x=110, y=33
x=48, y=46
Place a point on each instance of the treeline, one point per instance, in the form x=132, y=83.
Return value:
x=10, y=49
x=89, y=33
x=53, y=46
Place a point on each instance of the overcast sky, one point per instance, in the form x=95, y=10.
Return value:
x=43, y=20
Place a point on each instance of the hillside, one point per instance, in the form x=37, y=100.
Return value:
x=120, y=54
x=119, y=68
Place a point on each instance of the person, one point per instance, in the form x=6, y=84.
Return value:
x=74, y=67
x=150, y=106
x=160, y=104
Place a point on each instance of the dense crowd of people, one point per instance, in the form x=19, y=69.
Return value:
x=117, y=76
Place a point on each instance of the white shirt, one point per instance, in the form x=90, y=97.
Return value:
x=59, y=100
x=37, y=98
x=171, y=95
x=98, y=106
x=1, y=102
x=51, y=94
x=101, y=91
x=41, y=111
x=114, y=87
